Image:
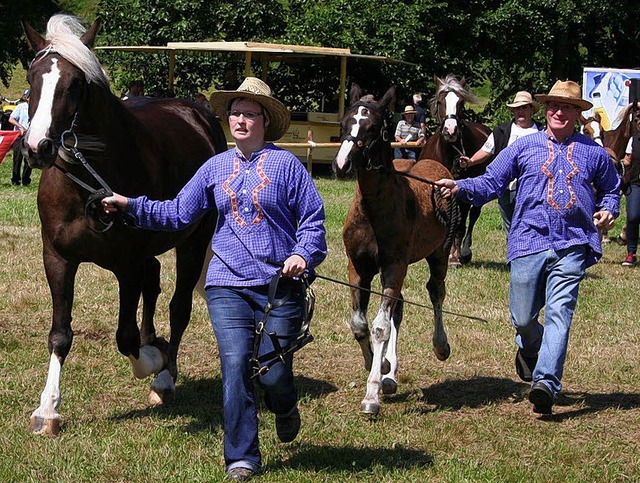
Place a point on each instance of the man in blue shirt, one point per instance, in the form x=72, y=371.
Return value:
x=20, y=120
x=568, y=189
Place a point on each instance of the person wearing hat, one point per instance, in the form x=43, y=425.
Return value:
x=268, y=209
x=568, y=189
x=408, y=130
x=523, y=108
x=20, y=120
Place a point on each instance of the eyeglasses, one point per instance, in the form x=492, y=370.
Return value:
x=560, y=107
x=250, y=115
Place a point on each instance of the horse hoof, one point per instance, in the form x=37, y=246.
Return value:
x=386, y=366
x=442, y=355
x=372, y=409
x=163, y=397
x=45, y=427
x=465, y=259
x=389, y=386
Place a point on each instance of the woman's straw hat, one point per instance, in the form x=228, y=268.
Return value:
x=254, y=89
x=523, y=98
x=566, y=92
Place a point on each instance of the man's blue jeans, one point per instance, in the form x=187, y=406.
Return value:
x=548, y=279
x=235, y=313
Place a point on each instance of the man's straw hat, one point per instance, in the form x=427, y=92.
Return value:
x=565, y=92
x=409, y=110
x=523, y=98
x=254, y=89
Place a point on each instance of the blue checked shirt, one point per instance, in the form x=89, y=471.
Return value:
x=268, y=207
x=560, y=187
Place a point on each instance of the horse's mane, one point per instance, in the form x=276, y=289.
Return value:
x=63, y=33
x=451, y=83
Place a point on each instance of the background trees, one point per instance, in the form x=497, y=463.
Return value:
x=499, y=46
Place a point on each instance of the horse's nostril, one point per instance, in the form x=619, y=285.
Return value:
x=47, y=149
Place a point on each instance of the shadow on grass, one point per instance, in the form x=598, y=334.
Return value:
x=341, y=459
x=586, y=403
x=201, y=400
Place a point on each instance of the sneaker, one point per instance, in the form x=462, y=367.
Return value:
x=630, y=261
x=288, y=425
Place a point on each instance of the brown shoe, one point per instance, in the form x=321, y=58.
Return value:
x=240, y=474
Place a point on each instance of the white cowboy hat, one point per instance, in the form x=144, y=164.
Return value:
x=254, y=89
x=523, y=98
x=567, y=92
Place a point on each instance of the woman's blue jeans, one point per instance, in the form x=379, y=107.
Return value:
x=548, y=279
x=235, y=313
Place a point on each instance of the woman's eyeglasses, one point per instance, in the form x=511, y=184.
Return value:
x=250, y=115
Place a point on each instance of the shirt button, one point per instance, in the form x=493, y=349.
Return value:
x=560, y=171
x=246, y=209
x=247, y=171
x=561, y=191
x=244, y=192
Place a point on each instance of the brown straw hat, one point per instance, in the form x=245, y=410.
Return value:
x=254, y=89
x=523, y=98
x=409, y=110
x=566, y=92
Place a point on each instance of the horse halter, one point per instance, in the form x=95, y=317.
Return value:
x=261, y=364
x=381, y=137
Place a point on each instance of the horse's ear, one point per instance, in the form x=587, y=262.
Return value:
x=463, y=81
x=35, y=40
x=89, y=37
x=389, y=99
x=582, y=120
x=355, y=94
x=597, y=117
x=437, y=80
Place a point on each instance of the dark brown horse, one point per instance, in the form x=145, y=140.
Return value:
x=617, y=139
x=453, y=138
x=392, y=222
x=147, y=146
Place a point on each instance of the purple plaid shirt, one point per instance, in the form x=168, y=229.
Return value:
x=268, y=207
x=560, y=187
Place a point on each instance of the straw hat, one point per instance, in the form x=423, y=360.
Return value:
x=523, y=98
x=254, y=89
x=567, y=92
x=409, y=110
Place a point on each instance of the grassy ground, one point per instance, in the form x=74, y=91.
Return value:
x=463, y=420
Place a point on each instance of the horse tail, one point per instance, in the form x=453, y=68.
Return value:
x=449, y=216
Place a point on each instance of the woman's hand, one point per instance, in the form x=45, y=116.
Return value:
x=114, y=203
x=294, y=266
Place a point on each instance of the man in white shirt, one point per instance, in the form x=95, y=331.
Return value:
x=523, y=108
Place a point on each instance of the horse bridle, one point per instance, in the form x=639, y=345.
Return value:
x=262, y=364
x=382, y=136
x=460, y=122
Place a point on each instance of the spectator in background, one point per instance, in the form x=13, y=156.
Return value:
x=136, y=89
x=631, y=162
x=202, y=100
x=408, y=130
x=523, y=108
x=421, y=113
x=20, y=120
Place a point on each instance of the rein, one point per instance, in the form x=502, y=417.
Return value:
x=261, y=364
x=95, y=194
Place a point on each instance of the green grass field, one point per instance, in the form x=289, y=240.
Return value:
x=463, y=420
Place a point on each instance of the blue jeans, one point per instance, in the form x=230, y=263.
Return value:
x=548, y=279
x=235, y=313
x=406, y=153
x=633, y=218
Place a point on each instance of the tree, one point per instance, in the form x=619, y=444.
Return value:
x=13, y=48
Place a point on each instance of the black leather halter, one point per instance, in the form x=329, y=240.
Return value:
x=381, y=138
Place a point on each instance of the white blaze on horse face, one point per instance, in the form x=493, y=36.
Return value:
x=451, y=108
x=345, y=148
x=41, y=122
x=597, y=132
